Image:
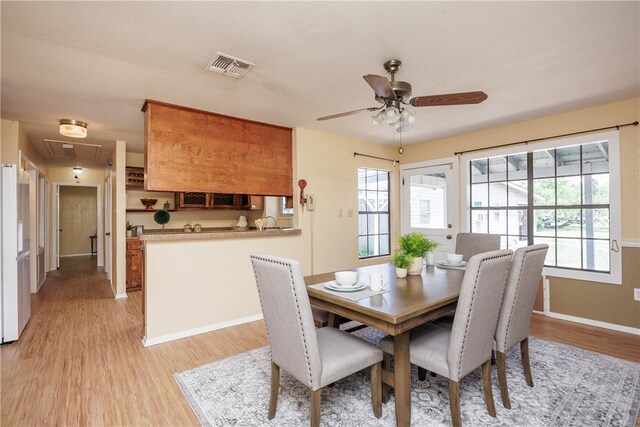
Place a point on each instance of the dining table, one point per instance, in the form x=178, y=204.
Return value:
x=403, y=304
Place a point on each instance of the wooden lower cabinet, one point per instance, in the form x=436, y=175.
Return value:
x=135, y=265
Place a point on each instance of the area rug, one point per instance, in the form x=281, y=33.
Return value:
x=573, y=387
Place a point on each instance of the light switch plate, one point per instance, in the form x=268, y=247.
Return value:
x=636, y=294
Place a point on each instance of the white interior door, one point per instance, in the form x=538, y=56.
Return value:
x=107, y=225
x=429, y=202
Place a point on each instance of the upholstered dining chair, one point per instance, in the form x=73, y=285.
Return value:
x=457, y=352
x=515, y=313
x=470, y=244
x=316, y=358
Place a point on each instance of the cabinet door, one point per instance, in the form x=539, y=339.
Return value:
x=254, y=203
x=192, y=200
x=225, y=201
x=134, y=269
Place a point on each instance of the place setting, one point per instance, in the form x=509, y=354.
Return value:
x=453, y=261
x=347, y=285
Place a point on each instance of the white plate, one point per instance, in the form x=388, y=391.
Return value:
x=448, y=264
x=333, y=285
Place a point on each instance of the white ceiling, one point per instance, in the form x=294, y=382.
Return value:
x=98, y=62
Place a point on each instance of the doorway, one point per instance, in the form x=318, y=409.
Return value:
x=429, y=202
x=78, y=230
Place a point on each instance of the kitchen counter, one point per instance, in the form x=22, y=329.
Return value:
x=215, y=233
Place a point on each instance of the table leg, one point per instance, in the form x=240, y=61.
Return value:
x=402, y=379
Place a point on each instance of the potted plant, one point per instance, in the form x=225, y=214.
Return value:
x=129, y=229
x=401, y=261
x=416, y=245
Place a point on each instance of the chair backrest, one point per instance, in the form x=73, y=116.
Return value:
x=470, y=244
x=287, y=314
x=520, y=296
x=474, y=324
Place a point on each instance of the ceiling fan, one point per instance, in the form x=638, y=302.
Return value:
x=394, y=95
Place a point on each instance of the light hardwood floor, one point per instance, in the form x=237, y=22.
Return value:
x=80, y=360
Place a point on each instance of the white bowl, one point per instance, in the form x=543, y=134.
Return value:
x=346, y=278
x=454, y=259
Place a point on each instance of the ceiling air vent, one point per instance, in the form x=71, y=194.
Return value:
x=229, y=65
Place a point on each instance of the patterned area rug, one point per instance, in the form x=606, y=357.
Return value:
x=573, y=387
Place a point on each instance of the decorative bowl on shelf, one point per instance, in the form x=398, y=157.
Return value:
x=148, y=202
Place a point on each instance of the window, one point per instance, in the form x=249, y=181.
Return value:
x=560, y=193
x=286, y=206
x=373, y=213
x=425, y=211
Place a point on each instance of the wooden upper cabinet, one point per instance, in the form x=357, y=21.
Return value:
x=193, y=150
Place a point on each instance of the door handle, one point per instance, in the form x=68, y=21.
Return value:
x=107, y=234
x=449, y=237
x=450, y=226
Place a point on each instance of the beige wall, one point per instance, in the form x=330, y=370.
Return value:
x=78, y=220
x=328, y=165
x=591, y=300
x=9, y=130
x=597, y=301
x=118, y=220
x=193, y=286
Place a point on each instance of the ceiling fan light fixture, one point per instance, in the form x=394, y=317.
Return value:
x=77, y=170
x=407, y=116
x=378, y=119
x=404, y=127
x=73, y=128
x=392, y=115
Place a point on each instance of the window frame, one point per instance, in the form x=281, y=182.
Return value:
x=615, y=222
x=387, y=212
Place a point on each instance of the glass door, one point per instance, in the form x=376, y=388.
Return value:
x=429, y=196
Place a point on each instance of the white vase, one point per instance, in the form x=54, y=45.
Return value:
x=430, y=258
x=401, y=273
x=416, y=266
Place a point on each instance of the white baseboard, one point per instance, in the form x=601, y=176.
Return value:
x=599, y=324
x=122, y=295
x=201, y=330
x=72, y=255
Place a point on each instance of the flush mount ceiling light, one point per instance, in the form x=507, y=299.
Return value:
x=77, y=170
x=73, y=128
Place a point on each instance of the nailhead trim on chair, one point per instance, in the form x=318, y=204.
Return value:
x=304, y=336
x=466, y=328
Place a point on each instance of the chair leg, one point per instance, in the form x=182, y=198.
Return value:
x=275, y=389
x=524, y=350
x=454, y=403
x=502, y=380
x=486, y=385
x=422, y=373
x=386, y=390
x=493, y=357
x=376, y=389
x=315, y=407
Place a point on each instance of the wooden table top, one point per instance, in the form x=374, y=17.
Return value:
x=407, y=298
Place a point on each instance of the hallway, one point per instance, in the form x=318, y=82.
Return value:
x=80, y=360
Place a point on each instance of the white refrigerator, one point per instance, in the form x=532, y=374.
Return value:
x=15, y=297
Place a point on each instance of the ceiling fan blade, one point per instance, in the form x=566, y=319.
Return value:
x=449, y=99
x=348, y=113
x=380, y=85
